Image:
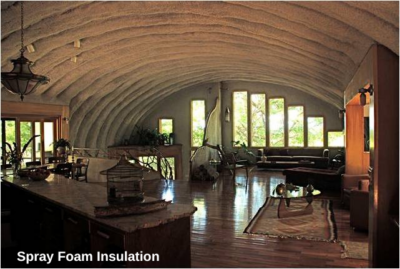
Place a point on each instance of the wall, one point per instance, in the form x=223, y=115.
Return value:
x=177, y=107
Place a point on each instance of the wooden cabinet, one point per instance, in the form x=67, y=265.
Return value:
x=107, y=241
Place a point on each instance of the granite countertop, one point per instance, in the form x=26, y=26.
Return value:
x=81, y=197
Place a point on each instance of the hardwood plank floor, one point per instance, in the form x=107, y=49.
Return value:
x=225, y=209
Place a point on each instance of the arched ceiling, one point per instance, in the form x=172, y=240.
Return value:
x=134, y=54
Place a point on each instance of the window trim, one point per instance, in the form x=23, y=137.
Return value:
x=191, y=119
x=249, y=112
x=233, y=117
x=304, y=126
x=323, y=128
x=56, y=120
x=344, y=138
x=285, y=123
x=166, y=118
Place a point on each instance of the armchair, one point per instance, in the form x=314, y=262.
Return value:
x=349, y=183
x=229, y=161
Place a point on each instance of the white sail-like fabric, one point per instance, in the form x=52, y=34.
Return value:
x=212, y=136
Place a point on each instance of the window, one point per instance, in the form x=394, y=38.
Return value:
x=41, y=147
x=240, y=121
x=166, y=126
x=336, y=139
x=198, y=122
x=296, y=126
x=26, y=132
x=8, y=134
x=315, y=131
x=258, y=118
x=277, y=122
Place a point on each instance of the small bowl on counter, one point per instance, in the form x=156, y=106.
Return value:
x=39, y=174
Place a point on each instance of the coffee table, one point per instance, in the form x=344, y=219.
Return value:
x=287, y=195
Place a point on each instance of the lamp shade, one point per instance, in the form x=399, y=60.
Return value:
x=21, y=80
x=227, y=114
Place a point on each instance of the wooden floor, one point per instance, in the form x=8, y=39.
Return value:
x=224, y=209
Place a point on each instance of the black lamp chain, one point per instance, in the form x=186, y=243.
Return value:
x=22, y=28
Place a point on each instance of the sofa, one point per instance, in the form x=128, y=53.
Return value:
x=293, y=157
x=321, y=179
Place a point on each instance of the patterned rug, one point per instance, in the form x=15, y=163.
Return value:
x=319, y=226
x=355, y=250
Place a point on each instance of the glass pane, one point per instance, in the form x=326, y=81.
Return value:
x=296, y=126
x=26, y=134
x=198, y=122
x=258, y=124
x=48, y=139
x=315, y=131
x=10, y=131
x=335, y=139
x=276, y=122
x=240, y=131
x=37, y=141
x=166, y=126
x=9, y=134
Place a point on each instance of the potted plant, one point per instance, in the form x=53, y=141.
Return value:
x=61, y=144
x=14, y=155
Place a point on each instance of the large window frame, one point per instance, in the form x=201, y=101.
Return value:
x=284, y=122
x=247, y=118
x=194, y=147
x=32, y=119
x=323, y=131
x=250, y=112
x=304, y=126
x=160, y=124
x=336, y=131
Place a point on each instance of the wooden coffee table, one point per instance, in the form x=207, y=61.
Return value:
x=287, y=195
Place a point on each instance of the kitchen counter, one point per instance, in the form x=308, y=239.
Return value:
x=166, y=232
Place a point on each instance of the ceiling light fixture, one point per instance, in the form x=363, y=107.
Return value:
x=77, y=43
x=31, y=48
x=363, y=91
x=21, y=80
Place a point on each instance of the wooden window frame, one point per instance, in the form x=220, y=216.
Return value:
x=250, y=131
x=191, y=120
x=285, y=123
x=324, y=134
x=167, y=118
x=304, y=126
x=336, y=131
x=233, y=118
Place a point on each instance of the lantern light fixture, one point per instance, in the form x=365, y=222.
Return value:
x=21, y=80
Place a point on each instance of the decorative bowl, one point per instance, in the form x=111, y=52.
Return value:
x=39, y=174
x=23, y=173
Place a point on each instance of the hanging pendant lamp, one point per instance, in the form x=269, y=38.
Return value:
x=21, y=80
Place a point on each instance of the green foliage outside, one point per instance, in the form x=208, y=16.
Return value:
x=198, y=122
x=258, y=120
x=166, y=126
x=315, y=131
x=240, y=121
x=296, y=126
x=335, y=139
x=277, y=122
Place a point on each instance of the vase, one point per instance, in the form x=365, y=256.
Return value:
x=16, y=167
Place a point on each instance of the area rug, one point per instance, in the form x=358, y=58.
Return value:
x=355, y=250
x=319, y=226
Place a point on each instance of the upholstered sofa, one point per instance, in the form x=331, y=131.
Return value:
x=293, y=157
x=321, y=179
